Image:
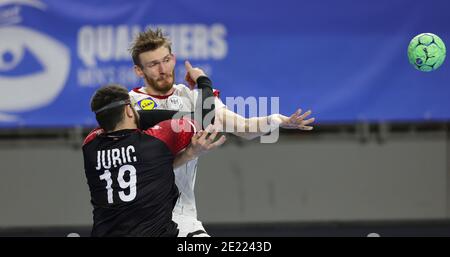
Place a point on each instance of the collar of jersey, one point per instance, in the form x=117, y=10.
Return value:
x=120, y=133
x=137, y=90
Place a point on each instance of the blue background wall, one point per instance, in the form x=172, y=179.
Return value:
x=345, y=60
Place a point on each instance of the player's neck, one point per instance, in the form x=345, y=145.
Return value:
x=124, y=125
x=154, y=92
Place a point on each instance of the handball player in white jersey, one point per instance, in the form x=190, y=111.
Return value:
x=154, y=62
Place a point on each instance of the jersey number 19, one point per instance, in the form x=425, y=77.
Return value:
x=131, y=183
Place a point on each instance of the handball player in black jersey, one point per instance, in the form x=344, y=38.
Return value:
x=130, y=171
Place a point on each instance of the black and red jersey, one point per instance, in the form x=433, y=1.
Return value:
x=131, y=179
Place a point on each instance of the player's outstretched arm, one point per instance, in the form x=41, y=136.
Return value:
x=250, y=128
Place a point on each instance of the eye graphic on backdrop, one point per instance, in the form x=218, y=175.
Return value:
x=33, y=67
x=10, y=56
x=18, y=61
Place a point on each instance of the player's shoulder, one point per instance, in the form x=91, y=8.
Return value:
x=92, y=135
x=181, y=89
x=176, y=133
x=216, y=92
x=137, y=92
x=186, y=90
x=173, y=126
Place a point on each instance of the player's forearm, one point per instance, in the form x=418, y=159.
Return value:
x=248, y=128
x=258, y=126
x=183, y=157
x=205, y=102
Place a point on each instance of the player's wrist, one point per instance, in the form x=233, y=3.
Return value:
x=190, y=153
x=275, y=121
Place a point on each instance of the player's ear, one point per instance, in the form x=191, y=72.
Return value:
x=138, y=70
x=174, y=57
x=129, y=111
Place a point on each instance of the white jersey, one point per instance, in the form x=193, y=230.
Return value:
x=182, y=99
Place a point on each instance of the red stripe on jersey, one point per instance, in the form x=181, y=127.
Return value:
x=136, y=89
x=216, y=92
x=176, y=133
x=92, y=135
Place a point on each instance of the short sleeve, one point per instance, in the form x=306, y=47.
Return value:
x=175, y=133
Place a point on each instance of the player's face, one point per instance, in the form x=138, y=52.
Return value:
x=158, y=69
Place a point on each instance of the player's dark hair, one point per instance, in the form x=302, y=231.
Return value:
x=109, y=118
x=148, y=40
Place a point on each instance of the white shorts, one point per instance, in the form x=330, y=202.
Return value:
x=189, y=226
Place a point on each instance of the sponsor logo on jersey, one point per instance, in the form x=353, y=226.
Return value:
x=147, y=104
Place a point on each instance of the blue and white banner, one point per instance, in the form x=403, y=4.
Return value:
x=345, y=60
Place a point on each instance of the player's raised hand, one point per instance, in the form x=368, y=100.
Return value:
x=192, y=74
x=297, y=121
